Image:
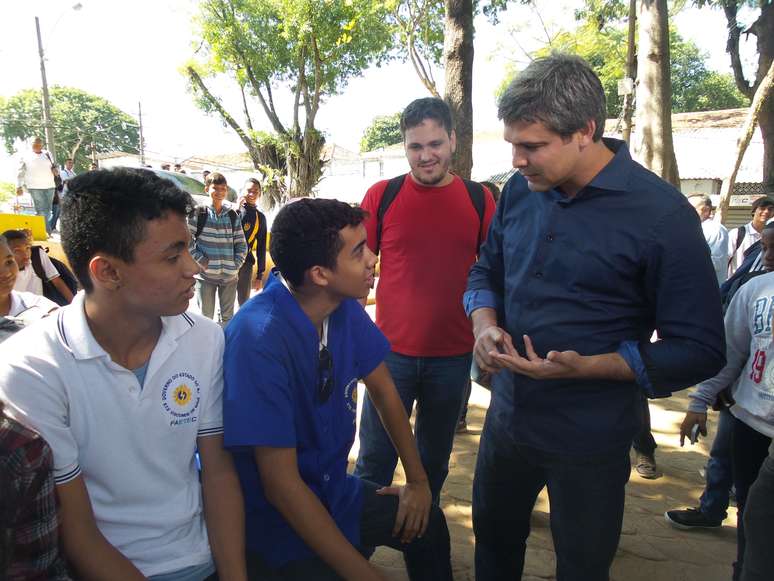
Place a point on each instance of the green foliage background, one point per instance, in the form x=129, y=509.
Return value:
x=74, y=114
x=382, y=132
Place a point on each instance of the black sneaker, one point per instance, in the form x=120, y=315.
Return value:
x=691, y=518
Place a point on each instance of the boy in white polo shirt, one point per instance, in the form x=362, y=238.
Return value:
x=126, y=386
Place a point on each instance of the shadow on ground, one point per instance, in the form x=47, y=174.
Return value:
x=650, y=549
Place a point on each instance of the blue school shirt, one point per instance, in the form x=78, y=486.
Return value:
x=271, y=399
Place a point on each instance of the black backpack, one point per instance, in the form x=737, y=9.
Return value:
x=49, y=290
x=475, y=191
x=201, y=219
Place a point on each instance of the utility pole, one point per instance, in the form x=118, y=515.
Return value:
x=46, y=107
x=142, y=140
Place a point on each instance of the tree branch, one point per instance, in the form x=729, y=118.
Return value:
x=759, y=98
x=212, y=100
x=311, y=114
x=732, y=48
x=300, y=86
x=248, y=121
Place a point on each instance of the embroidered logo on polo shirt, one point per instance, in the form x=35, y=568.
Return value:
x=180, y=398
x=350, y=396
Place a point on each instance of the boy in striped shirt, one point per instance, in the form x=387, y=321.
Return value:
x=218, y=245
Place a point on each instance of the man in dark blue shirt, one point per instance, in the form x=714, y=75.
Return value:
x=587, y=255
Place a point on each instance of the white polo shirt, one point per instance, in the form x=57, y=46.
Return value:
x=134, y=446
x=28, y=281
x=29, y=306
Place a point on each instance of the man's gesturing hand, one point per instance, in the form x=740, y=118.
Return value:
x=556, y=365
x=491, y=340
x=413, y=509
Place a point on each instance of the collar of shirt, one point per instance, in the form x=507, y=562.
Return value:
x=615, y=175
x=76, y=336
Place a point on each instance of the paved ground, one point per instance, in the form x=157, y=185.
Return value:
x=650, y=549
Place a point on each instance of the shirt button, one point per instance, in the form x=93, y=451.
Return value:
x=326, y=477
x=539, y=274
x=550, y=237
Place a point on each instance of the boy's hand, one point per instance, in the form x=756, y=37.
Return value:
x=413, y=509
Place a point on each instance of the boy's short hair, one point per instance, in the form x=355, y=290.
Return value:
x=305, y=233
x=561, y=91
x=107, y=210
x=762, y=203
x=426, y=108
x=15, y=236
x=215, y=178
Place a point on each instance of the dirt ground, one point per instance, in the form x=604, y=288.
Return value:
x=650, y=549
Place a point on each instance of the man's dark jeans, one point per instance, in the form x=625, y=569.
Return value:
x=439, y=386
x=759, y=525
x=750, y=449
x=720, y=474
x=644, y=443
x=427, y=559
x=587, y=503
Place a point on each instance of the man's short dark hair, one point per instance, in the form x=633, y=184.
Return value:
x=762, y=203
x=427, y=108
x=560, y=91
x=15, y=235
x=107, y=211
x=305, y=233
x=255, y=181
x=215, y=178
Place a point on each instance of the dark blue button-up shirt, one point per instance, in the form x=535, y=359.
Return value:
x=598, y=273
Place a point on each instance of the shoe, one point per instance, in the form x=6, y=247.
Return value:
x=691, y=518
x=646, y=467
x=462, y=426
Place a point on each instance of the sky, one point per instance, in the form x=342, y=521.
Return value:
x=132, y=52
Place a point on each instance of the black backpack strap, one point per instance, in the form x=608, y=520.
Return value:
x=37, y=263
x=234, y=219
x=477, y=197
x=201, y=220
x=392, y=189
x=740, y=234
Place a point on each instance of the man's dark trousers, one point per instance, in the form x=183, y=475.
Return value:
x=644, y=443
x=427, y=558
x=759, y=525
x=587, y=503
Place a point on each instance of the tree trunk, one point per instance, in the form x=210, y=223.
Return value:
x=631, y=71
x=764, y=30
x=762, y=99
x=766, y=123
x=654, y=146
x=304, y=163
x=458, y=60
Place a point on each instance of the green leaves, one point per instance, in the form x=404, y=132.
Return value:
x=382, y=132
x=79, y=118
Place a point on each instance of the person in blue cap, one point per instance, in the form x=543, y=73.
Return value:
x=294, y=355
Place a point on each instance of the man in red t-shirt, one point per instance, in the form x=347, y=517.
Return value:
x=429, y=239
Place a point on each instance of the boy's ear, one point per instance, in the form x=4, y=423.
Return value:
x=318, y=275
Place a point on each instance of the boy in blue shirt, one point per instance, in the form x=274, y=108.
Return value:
x=294, y=355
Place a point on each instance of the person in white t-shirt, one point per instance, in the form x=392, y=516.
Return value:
x=20, y=305
x=742, y=238
x=27, y=279
x=36, y=174
x=127, y=387
x=715, y=234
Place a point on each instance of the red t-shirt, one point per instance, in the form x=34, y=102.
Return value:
x=428, y=245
